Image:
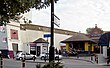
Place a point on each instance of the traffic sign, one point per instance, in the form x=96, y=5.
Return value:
x=47, y=35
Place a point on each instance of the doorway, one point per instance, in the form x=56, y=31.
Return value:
x=15, y=48
x=38, y=48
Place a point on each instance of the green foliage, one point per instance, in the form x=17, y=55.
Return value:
x=50, y=65
x=10, y=8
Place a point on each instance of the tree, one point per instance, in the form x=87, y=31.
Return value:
x=10, y=9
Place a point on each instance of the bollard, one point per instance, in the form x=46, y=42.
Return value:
x=97, y=59
x=1, y=62
x=58, y=59
x=91, y=57
x=34, y=58
x=45, y=58
x=23, y=63
x=108, y=60
x=77, y=56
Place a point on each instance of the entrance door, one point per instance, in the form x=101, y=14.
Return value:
x=15, y=48
x=38, y=50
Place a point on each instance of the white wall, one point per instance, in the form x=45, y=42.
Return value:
x=16, y=26
x=58, y=38
x=26, y=36
x=32, y=35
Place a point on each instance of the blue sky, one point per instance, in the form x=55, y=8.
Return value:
x=75, y=15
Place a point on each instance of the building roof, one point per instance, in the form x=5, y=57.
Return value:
x=40, y=40
x=104, y=39
x=45, y=29
x=78, y=37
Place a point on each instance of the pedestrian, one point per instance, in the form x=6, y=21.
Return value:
x=59, y=52
x=56, y=51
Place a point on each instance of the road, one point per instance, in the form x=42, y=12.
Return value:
x=10, y=63
x=68, y=63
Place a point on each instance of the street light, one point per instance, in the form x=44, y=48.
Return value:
x=51, y=49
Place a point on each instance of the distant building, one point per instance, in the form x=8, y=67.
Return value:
x=17, y=37
x=80, y=42
x=3, y=40
x=10, y=38
x=39, y=46
x=94, y=33
x=85, y=42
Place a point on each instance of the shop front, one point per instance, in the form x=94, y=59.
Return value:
x=39, y=46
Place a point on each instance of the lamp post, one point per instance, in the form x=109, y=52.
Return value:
x=51, y=49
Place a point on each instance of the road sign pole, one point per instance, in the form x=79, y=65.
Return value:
x=51, y=49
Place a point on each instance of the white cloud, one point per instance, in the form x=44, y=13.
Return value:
x=76, y=15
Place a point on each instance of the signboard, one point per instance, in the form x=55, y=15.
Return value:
x=47, y=35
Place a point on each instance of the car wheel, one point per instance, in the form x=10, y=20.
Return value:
x=42, y=58
x=34, y=58
x=56, y=58
x=20, y=58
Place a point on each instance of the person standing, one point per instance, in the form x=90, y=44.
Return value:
x=56, y=51
x=59, y=52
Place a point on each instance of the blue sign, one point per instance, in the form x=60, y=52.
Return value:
x=47, y=35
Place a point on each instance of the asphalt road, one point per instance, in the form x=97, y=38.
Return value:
x=68, y=63
x=10, y=63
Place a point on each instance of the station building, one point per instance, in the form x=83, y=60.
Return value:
x=80, y=42
x=85, y=43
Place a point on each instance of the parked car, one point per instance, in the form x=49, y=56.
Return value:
x=25, y=55
x=46, y=56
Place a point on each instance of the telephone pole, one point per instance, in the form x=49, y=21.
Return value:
x=51, y=49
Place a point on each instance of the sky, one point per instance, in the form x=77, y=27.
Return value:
x=75, y=15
